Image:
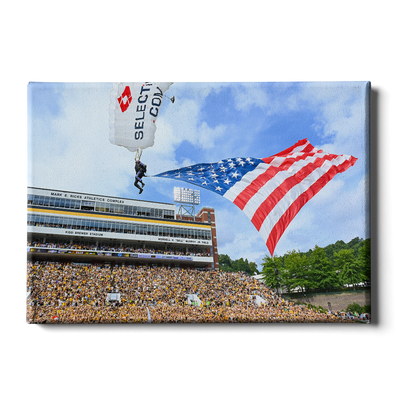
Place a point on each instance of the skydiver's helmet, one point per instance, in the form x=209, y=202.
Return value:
x=137, y=165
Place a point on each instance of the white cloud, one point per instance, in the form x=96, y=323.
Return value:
x=249, y=95
x=72, y=152
x=75, y=153
x=340, y=116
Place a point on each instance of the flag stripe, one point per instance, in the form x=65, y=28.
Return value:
x=278, y=229
x=248, y=193
x=246, y=180
x=245, y=195
x=301, y=144
x=279, y=189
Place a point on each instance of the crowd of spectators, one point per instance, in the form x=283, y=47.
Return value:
x=76, y=293
x=128, y=249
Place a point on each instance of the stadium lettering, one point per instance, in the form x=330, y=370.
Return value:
x=76, y=233
x=115, y=201
x=56, y=194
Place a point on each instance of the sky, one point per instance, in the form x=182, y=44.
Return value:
x=69, y=149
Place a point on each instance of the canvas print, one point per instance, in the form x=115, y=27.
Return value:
x=198, y=203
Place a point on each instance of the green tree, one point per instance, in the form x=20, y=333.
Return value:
x=270, y=272
x=349, y=270
x=296, y=271
x=364, y=260
x=253, y=268
x=225, y=262
x=323, y=274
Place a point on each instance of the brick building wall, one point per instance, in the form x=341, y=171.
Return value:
x=207, y=215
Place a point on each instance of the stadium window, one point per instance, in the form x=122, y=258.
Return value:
x=99, y=226
x=169, y=214
x=73, y=223
x=87, y=205
x=30, y=198
x=46, y=201
x=120, y=227
x=118, y=209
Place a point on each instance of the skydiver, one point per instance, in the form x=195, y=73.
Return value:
x=140, y=169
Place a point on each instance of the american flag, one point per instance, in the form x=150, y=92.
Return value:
x=270, y=191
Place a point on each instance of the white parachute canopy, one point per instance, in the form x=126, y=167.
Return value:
x=133, y=113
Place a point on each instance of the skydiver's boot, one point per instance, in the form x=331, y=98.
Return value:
x=140, y=191
x=137, y=184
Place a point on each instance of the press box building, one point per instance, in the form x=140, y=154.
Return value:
x=87, y=228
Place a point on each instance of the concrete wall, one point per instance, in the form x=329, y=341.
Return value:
x=339, y=301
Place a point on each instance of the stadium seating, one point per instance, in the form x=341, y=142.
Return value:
x=76, y=293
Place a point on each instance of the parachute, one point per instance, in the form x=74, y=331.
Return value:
x=133, y=111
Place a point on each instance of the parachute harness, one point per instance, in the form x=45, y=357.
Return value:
x=138, y=154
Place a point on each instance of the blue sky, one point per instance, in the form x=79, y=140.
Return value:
x=68, y=149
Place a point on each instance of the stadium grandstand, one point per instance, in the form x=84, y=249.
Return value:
x=78, y=227
x=100, y=259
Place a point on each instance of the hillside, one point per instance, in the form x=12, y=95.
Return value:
x=354, y=244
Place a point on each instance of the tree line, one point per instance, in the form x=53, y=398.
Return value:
x=226, y=264
x=320, y=269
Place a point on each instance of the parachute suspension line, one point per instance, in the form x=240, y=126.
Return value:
x=138, y=154
x=170, y=98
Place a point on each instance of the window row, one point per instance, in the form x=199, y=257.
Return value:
x=99, y=207
x=117, y=227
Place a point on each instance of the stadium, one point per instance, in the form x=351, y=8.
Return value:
x=102, y=259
